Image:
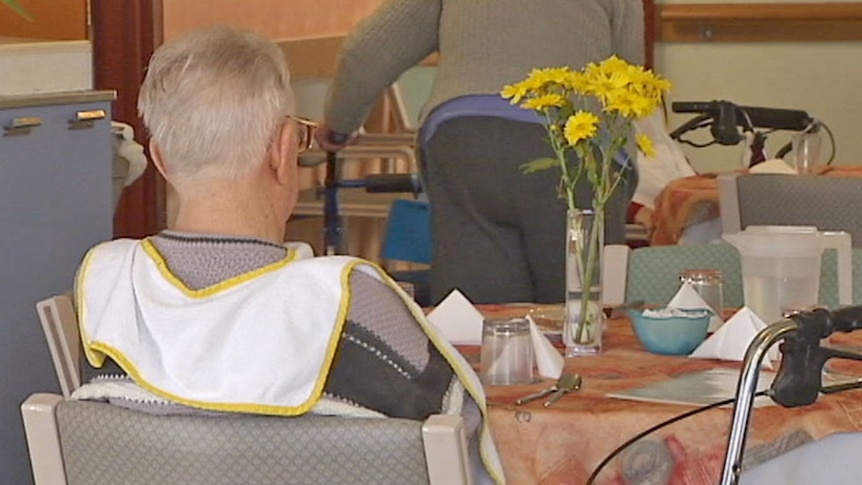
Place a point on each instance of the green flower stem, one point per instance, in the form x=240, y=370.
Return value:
x=588, y=272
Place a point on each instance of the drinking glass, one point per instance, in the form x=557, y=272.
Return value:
x=806, y=151
x=707, y=284
x=507, y=352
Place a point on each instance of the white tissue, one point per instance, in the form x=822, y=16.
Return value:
x=458, y=320
x=731, y=341
x=549, y=361
x=687, y=298
x=775, y=165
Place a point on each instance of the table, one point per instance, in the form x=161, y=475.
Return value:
x=692, y=200
x=563, y=444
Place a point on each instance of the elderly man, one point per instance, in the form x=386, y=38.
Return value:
x=216, y=313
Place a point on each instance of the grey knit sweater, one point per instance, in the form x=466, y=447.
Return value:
x=483, y=45
x=384, y=363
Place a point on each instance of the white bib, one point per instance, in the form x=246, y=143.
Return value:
x=252, y=343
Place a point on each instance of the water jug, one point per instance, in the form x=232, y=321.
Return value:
x=781, y=267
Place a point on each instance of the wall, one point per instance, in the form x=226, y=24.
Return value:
x=274, y=18
x=818, y=77
x=53, y=20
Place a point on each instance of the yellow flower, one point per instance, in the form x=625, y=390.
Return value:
x=514, y=92
x=580, y=126
x=628, y=104
x=602, y=98
x=545, y=101
x=645, y=145
x=542, y=77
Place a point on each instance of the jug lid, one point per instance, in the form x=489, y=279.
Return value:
x=777, y=241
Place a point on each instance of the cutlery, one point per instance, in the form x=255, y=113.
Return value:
x=566, y=383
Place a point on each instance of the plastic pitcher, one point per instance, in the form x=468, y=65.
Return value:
x=781, y=267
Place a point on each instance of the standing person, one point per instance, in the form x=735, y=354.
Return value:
x=216, y=313
x=498, y=234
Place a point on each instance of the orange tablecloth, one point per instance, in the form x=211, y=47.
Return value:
x=694, y=199
x=564, y=443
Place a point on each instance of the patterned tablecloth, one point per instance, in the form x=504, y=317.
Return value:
x=562, y=444
x=691, y=200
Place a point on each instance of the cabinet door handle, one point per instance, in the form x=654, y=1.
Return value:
x=85, y=119
x=22, y=125
x=93, y=114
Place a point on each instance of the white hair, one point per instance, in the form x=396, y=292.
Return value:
x=213, y=100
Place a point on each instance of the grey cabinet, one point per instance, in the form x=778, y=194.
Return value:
x=55, y=203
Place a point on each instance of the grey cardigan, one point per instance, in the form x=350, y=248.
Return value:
x=483, y=45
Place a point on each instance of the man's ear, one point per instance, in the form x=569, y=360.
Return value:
x=283, y=154
x=158, y=161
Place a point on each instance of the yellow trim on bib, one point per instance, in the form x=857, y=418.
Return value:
x=227, y=284
x=96, y=360
x=439, y=344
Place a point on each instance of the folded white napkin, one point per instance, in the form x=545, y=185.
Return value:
x=549, y=361
x=461, y=324
x=458, y=320
x=733, y=338
x=775, y=165
x=687, y=298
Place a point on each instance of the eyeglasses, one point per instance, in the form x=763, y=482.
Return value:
x=304, y=133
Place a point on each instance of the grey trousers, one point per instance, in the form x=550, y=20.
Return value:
x=499, y=235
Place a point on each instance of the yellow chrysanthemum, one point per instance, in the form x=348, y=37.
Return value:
x=542, y=77
x=613, y=64
x=545, y=101
x=514, y=92
x=628, y=104
x=644, y=144
x=581, y=126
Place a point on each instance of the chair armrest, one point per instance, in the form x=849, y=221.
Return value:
x=446, y=450
x=43, y=438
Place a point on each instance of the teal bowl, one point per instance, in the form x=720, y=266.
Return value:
x=677, y=334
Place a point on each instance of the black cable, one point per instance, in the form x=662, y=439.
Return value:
x=657, y=427
x=831, y=142
x=789, y=146
x=697, y=145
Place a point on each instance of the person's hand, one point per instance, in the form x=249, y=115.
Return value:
x=331, y=141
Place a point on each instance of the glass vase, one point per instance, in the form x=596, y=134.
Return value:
x=582, y=331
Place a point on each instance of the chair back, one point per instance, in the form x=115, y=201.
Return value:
x=60, y=324
x=407, y=238
x=829, y=278
x=103, y=443
x=827, y=202
x=408, y=232
x=83, y=442
x=653, y=273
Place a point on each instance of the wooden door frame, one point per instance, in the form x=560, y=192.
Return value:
x=124, y=34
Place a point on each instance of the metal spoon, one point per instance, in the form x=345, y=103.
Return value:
x=566, y=384
x=565, y=380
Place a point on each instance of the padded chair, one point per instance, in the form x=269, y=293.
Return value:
x=407, y=238
x=829, y=203
x=653, y=272
x=82, y=442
